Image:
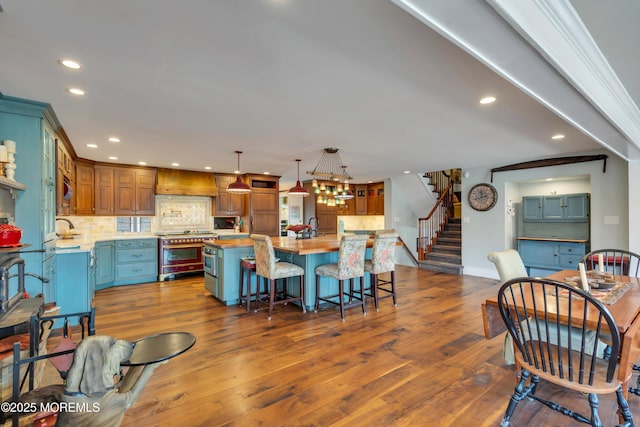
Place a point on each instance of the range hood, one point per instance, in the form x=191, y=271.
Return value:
x=185, y=183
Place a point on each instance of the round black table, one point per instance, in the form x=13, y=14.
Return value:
x=157, y=348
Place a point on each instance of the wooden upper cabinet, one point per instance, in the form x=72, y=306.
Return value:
x=85, y=189
x=104, y=190
x=65, y=180
x=145, y=192
x=264, y=205
x=124, y=191
x=375, y=199
x=360, y=198
x=227, y=203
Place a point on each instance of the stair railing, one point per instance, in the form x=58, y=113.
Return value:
x=430, y=227
x=440, y=180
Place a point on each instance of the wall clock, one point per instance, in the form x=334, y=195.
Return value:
x=483, y=197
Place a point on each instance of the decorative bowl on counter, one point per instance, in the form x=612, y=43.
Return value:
x=10, y=235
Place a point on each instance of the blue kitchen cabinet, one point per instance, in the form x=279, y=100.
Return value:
x=532, y=208
x=76, y=282
x=543, y=257
x=136, y=261
x=552, y=207
x=576, y=207
x=556, y=208
x=228, y=279
x=32, y=126
x=105, y=263
x=568, y=207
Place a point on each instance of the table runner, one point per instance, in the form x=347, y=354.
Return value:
x=608, y=297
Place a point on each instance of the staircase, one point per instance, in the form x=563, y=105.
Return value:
x=446, y=254
x=439, y=240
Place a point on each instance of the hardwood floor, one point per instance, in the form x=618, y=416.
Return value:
x=424, y=362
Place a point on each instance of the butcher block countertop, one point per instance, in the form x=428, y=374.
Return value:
x=315, y=245
x=547, y=239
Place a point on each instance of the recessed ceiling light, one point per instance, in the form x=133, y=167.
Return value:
x=207, y=168
x=113, y=158
x=175, y=164
x=266, y=173
x=487, y=100
x=549, y=179
x=76, y=91
x=142, y=163
x=70, y=63
x=558, y=136
x=114, y=139
x=92, y=145
x=407, y=171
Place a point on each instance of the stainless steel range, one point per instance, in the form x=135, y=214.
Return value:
x=181, y=252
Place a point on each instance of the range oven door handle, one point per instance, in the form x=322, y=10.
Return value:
x=184, y=246
x=206, y=255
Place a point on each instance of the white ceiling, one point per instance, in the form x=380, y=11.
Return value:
x=283, y=79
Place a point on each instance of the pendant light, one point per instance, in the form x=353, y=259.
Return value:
x=298, y=190
x=238, y=187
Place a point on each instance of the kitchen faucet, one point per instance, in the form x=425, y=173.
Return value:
x=71, y=226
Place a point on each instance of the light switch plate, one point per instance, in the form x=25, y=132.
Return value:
x=612, y=220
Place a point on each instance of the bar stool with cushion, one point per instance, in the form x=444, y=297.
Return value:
x=248, y=265
x=350, y=265
x=382, y=260
x=267, y=268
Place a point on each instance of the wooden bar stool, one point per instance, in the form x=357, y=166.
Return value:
x=248, y=265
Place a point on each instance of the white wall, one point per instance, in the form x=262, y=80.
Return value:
x=634, y=207
x=406, y=199
x=483, y=232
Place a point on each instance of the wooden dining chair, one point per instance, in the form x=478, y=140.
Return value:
x=534, y=308
x=616, y=261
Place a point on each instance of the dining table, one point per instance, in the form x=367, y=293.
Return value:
x=623, y=302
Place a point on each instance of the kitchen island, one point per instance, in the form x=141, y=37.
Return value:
x=307, y=253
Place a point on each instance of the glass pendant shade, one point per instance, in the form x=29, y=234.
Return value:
x=238, y=187
x=298, y=190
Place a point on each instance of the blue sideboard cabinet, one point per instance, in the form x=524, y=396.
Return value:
x=32, y=125
x=76, y=281
x=543, y=257
x=136, y=261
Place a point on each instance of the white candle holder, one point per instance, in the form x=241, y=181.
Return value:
x=11, y=145
x=10, y=166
